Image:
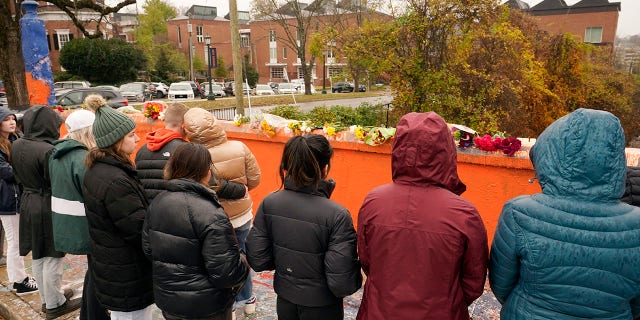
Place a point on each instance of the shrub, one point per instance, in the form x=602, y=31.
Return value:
x=319, y=116
x=288, y=112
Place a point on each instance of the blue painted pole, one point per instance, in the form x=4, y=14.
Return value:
x=35, y=51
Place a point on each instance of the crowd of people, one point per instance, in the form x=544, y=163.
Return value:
x=176, y=228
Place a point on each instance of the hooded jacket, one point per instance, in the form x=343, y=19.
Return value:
x=572, y=251
x=422, y=246
x=193, y=249
x=310, y=242
x=67, y=169
x=115, y=205
x=153, y=156
x=233, y=160
x=30, y=159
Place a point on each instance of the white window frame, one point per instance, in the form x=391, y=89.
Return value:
x=63, y=37
x=589, y=34
x=200, y=34
x=276, y=72
x=273, y=55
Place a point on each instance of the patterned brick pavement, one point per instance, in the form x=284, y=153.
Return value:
x=28, y=307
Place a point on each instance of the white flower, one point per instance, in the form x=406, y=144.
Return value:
x=352, y=128
x=161, y=116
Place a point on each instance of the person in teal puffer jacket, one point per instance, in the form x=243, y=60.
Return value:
x=572, y=251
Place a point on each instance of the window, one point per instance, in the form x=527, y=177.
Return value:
x=245, y=41
x=60, y=38
x=273, y=54
x=199, y=34
x=179, y=35
x=277, y=72
x=593, y=35
x=272, y=36
x=334, y=72
x=284, y=52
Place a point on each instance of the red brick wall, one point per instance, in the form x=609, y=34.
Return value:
x=576, y=23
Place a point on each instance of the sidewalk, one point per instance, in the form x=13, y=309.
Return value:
x=28, y=307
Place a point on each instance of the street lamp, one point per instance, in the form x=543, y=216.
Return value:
x=324, y=71
x=207, y=40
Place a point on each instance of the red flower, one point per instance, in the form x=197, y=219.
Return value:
x=510, y=146
x=485, y=143
x=60, y=109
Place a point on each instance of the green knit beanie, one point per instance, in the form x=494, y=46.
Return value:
x=110, y=125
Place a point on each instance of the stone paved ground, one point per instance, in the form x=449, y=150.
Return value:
x=28, y=307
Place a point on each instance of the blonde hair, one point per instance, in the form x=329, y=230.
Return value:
x=84, y=136
x=174, y=115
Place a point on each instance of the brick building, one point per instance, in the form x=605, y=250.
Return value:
x=60, y=29
x=592, y=21
x=263, y=40
x=204, y=21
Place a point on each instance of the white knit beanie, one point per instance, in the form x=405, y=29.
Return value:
x=79, y=119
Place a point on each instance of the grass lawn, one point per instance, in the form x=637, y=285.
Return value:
x=277, y=100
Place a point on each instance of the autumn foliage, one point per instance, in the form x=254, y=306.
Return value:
x=480, y=64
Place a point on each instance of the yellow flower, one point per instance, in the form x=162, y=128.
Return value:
x=331, y=131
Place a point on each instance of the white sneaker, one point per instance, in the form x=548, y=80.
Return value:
x=250, y=306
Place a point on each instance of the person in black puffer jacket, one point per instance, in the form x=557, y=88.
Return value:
x=115, y=205
x=308, y=239
x=632, y=187
x=187, y=235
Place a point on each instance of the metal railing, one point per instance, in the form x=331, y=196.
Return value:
x=224, y=113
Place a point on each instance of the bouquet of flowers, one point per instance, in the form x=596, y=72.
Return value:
x=508, y=146
x=358, y=132
x=152, y=110
x=267, y=128
x=299, y=127
x=379, y=135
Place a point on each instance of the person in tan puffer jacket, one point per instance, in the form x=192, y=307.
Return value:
x=233, y=161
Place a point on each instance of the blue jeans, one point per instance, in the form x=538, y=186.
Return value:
x=242, y=233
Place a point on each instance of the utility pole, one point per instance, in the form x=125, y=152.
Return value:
x=237, y=57
x=189, y=29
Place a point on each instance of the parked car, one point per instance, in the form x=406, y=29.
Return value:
x=161, y=89
x=216, y=89
x=274, y=86
x=228, y=88
x=342, y=87
x=136, y=91
x=195, y=87
x=362, y=88
x=71, y=84
x=245, y=89
x=73, y=98
x=263, y=89
x=114, y=88
x=181, y=90
x=289, y=88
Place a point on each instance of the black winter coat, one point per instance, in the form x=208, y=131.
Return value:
x=197, y=267
x=30, y=160
x=115, y=206
x=9, y=189
x=310, y=242
x=150, y=166
x=632, y=190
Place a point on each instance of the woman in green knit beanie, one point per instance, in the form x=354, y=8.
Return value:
x=115, y=205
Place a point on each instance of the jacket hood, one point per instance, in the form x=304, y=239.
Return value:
x=41, y=123
x=157, y=139
x=64, y=146
x=581, y=156
x=200, y=126
x=424, y=153
x=324, y=188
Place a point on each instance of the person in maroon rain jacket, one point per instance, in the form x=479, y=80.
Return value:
x=422, y=246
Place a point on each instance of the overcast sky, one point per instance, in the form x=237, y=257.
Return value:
x=628, y=23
